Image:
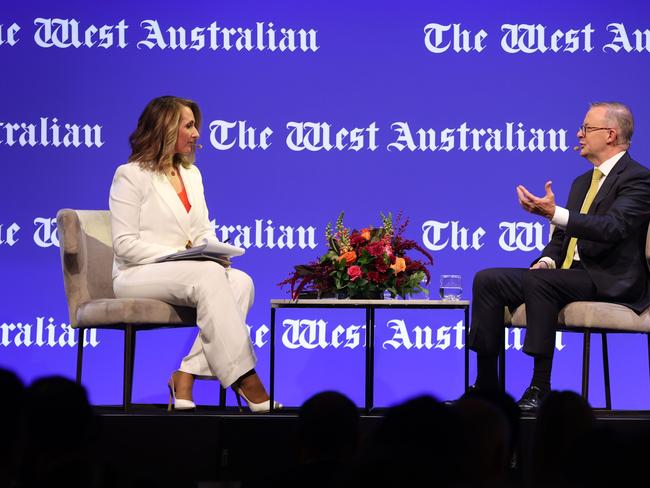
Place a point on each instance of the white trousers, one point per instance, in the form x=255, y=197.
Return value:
x=222, y=297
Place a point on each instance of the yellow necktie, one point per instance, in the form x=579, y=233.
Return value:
x=589, y=197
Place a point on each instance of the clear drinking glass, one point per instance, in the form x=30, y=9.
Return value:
x=450, y=287
x=425, y=289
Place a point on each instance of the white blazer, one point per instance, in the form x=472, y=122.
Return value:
x=148, y=219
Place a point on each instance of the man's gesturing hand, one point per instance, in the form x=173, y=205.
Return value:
x=544, y=206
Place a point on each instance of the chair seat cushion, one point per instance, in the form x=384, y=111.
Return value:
x=593, y=315
x=105, y=311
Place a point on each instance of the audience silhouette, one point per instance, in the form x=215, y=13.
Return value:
x=57, y=439
x=52, y=437
x=327, y=438
x=416, y=443
x=563, y=419
x=12, y=403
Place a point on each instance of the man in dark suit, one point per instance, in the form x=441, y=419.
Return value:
x=597, y=252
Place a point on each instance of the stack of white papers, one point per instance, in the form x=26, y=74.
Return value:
x=221, y=252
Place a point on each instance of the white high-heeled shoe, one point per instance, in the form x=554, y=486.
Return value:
x=263, y=407
x=177, y=403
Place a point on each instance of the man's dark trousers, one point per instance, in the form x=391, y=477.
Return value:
x=545, y=292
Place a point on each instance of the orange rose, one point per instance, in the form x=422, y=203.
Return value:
x=365, y=233
x=349, y=256
x=399, y=265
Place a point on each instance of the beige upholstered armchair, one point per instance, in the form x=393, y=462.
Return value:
x=588, y=317
x=87, y=257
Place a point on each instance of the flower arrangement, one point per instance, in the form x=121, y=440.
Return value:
x=363, y=264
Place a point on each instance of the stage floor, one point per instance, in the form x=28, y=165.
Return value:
x=208, y=447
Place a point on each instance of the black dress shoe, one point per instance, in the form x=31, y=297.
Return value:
x=532, y=399
x=472, y=390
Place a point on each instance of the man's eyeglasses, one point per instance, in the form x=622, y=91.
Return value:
x=584, y=128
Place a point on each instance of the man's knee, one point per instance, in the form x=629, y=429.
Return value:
x=487, y=277
x=533, y=280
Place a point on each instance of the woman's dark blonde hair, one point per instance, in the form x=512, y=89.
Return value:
x=153, y=143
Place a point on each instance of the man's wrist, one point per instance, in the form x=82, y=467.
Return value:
x=560, y=217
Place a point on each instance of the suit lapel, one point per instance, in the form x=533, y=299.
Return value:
x=169, y=196
x=188, y=182
x=609, y=182
x=582, y=186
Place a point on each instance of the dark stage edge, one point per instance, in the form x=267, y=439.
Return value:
x=213, y=447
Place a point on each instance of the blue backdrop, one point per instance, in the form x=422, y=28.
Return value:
x=455, y=104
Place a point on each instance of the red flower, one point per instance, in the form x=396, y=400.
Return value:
x=375, y=248
x=376, y=277
x=356, y=239
x=354, y=272
x=381, y=265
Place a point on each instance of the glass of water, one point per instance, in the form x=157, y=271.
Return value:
x=450, y=287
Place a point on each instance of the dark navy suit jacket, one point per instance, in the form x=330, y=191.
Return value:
x=612, y=235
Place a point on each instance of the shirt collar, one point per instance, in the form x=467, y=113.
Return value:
x=608, y=165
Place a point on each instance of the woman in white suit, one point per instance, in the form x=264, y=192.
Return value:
x=158, y=208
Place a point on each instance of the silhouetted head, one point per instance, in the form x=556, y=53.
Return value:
x=328, y=426
x=563, y=420
x=57, y=413
x=486, y=434
x=418, y=442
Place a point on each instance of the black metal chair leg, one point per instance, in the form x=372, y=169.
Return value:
x=466, y=360
x=133, y=344
x=129, y=356
x=222, y=397
x=608, y=394
x=271, y=364
x=648, y=336
x=585, y=364
x=80, y=354
x=502, y=360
